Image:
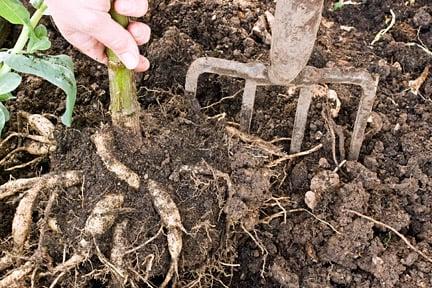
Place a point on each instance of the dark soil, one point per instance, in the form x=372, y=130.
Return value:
x=391, y=182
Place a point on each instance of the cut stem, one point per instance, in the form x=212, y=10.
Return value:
x=125, y=108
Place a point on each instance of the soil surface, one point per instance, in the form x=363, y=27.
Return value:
x=289, y=225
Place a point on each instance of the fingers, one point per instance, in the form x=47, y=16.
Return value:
x=143, y=65
x=140, y=31
x=134, y=8
x=118, y=39
x=88, y=45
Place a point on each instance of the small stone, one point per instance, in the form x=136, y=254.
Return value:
x=323, y=163
x=311, y=200
x=318, y=135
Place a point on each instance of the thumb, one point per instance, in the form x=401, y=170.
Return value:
x=118, y=39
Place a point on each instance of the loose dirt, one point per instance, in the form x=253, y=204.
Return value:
x=247, y=224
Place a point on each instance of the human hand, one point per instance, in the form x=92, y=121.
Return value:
x=88, y=26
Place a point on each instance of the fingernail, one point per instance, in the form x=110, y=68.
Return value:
x=125, y=6
x=129, y=59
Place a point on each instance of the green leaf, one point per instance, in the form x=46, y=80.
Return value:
x=14, y=12
x=5, y=97
x=38, y=40
x=57, y=70
x=9, y=82
x=4, y=116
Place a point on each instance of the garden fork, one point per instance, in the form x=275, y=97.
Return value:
x=293, y=37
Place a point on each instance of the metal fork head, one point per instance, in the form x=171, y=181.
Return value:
x=296, y=21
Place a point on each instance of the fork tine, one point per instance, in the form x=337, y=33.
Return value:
x=254, y=73
x=248, y=102
x=359, y=77
x=303, y=104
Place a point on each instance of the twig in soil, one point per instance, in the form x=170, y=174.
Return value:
x=292, y=156
x=384, y=31
x=402, y=237
x=268, y=147
x=268, y=219
x=47, y=181
x=218, y=117
x=341, y=137
x=170, y=217
x=103, y=141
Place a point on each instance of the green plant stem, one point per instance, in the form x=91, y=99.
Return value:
x=125, y=108
x=24, y=35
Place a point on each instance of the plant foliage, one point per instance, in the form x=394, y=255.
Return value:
x=24, y=58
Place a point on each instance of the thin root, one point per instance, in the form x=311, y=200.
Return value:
x=292, y=156
x=260, y=143
x=145, y=243
x=263, y=249
x=402, y=237
x=268, y=219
